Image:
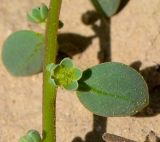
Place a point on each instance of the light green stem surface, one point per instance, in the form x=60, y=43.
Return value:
x=49, y=91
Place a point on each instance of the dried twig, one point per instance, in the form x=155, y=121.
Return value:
x=114, y=138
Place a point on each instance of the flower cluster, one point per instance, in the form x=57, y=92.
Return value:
x=65, y=74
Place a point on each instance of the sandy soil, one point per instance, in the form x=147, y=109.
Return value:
x=132, y=35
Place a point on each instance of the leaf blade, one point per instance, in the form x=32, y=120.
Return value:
x=113, y=89
x=107, y=7
x=23, y=53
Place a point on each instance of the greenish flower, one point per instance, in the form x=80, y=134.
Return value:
x=31, y=136
x=65, y=74
x=38, y=14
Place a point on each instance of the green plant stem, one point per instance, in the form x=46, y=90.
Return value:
x=49, y=91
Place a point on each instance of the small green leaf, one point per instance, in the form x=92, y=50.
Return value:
x=106, y=7
x=23, y=53
x=113, y=89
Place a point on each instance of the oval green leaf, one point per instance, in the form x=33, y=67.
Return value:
x=113, y=89
x=107, y=7
x=23, y=53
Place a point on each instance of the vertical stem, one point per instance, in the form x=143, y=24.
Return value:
x=49, y=91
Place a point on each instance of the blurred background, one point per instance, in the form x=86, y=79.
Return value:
x=132, y=36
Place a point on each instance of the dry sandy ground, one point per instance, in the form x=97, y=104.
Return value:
x=134, y=35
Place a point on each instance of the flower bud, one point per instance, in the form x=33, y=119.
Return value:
x=31, y=136
x=38, y=14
